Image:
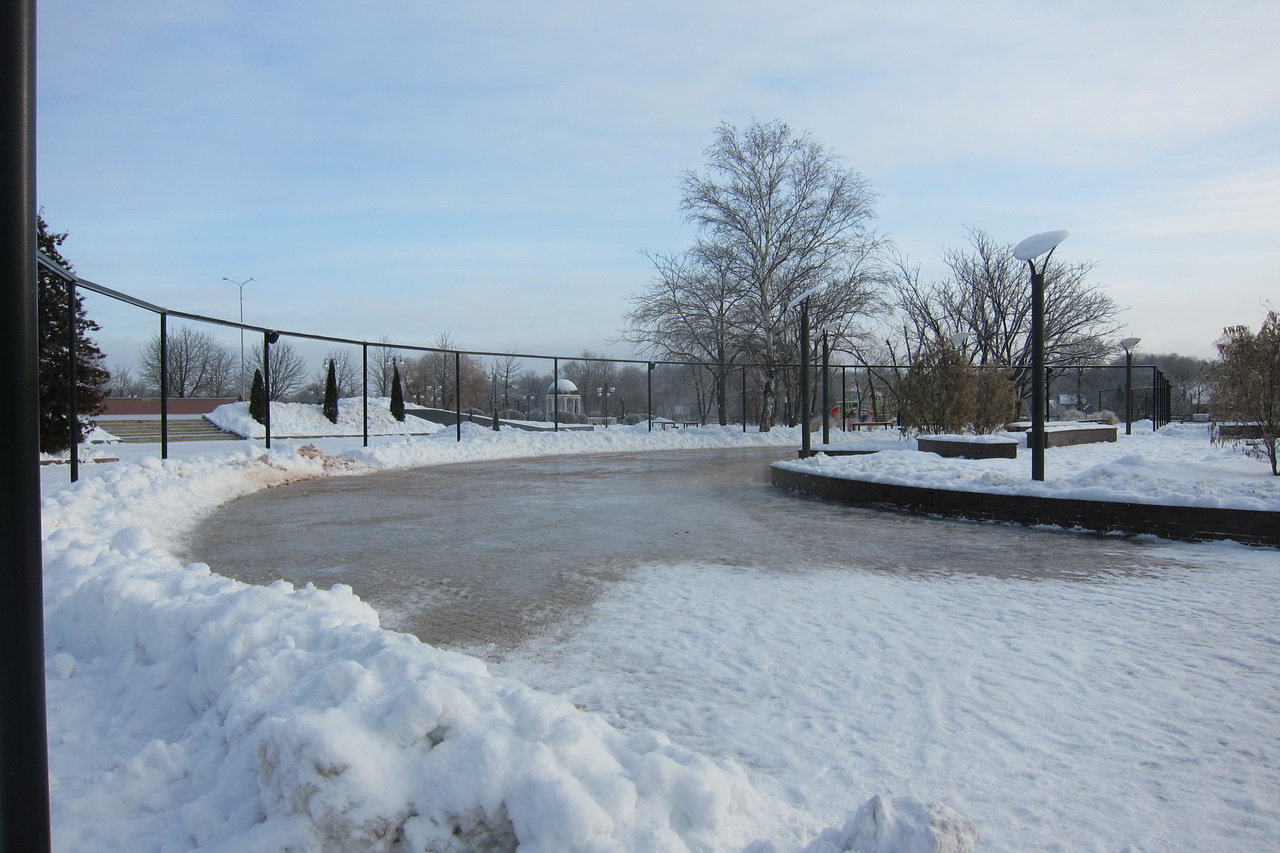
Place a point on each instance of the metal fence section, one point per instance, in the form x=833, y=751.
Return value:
x=687, y=392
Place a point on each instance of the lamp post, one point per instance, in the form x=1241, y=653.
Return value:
x=1028, y=250
x=826, y=366
x=603, y=393
x=803, y=301
x=241, y=285
x=1128, y=344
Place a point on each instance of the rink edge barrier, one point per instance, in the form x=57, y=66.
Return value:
x=1183, y=523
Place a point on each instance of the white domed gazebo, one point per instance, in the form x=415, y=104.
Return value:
x=563, y=396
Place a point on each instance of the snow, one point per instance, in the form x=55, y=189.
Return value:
x=698, y=708
x=1175, y=465
x=301, y=419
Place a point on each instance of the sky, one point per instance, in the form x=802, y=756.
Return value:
x=495, y=171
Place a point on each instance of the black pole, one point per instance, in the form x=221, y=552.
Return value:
x=24, y=759
x=457, y=390
x=826, y=394
x=1128, y=392
x=1038, y=395
x=650, y=376
x=555, y=394
x=73, y=390
x=364, y=388
x=844, y=392
x=744, y=398
x=805, y=440
x=164, y=386
x=267, y=339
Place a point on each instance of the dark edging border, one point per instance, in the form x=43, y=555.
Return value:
x=1189, y=524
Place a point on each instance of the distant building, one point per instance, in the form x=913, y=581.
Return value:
x=563, y=396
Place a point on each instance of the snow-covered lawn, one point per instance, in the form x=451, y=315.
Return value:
x=726, y=709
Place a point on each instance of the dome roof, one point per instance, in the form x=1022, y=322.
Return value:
x=564, y=386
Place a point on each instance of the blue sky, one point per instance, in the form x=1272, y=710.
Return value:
x=493, y=170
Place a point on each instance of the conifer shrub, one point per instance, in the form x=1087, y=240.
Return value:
x=397, y=395
x=331, y=394
x=258, y=398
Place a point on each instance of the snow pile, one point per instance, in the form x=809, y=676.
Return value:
x=189, y=711
x=304, y=419
x=904, y=824
x=1175, y=466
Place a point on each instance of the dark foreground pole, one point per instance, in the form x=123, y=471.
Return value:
x=73, y=385
x=24, y=755
x=1038, y=396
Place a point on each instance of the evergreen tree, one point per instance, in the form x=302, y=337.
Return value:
x=258, y=398
x=331, y=394
x=55, y=376
x=397, y=395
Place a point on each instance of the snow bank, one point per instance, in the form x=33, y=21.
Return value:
x=189, y=711
x=1174, y=466
x=303, y=419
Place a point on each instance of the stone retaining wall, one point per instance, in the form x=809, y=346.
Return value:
x=1252, y=527
x=953, y=449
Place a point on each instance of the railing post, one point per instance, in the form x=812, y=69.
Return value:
x=650, y=376
x=457, y=390
x=73, y=390
x=164, y=386
x=268, y=338
x=555, y=394
x=24, y=760
x=364, y=386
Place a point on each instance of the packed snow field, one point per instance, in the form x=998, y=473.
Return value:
x=696, y=707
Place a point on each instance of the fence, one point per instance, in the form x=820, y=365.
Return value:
x=689, y=391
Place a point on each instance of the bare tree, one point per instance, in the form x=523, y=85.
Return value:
x=288, y=370
x=124, y=385
x=196, y=364
x=431, y=378
x=502, y=379
x=1246, y=389
x=988, y=297
x=382, y=361
x=690, y=313
x=346, y=367
x=779, y=214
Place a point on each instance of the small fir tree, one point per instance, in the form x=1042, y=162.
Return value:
x=55, y=375
x=397, y=395
x=258, y=398
x=331, y=394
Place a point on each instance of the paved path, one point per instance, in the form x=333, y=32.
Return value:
x=490, y=553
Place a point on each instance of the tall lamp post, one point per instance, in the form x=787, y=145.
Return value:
x=1128, y=344
x=603, y=393
x=241, y=285
x=826, y=367
x=1028, y=250
x=803, y=301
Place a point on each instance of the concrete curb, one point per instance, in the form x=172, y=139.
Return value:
x=1190, y=524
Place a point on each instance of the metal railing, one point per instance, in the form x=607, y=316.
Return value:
x=872, y=386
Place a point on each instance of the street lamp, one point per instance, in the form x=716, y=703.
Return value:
x=826, y=366
x=1028, y=250
x=803, y=301
x=1128, y=344
x=603, y=393
x=241, y=285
